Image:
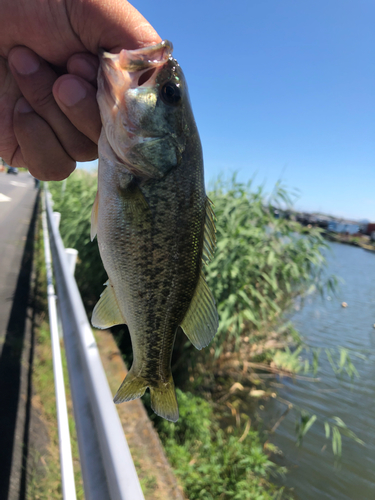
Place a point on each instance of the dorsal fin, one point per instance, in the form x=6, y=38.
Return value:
x=107, y=313
x=201, y=320
x=209, y=241
x=94, y=217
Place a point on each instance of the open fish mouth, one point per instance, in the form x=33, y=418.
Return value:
x=133, y=68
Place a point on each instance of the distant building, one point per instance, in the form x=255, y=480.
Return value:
x=342, y=227
x=369, y=229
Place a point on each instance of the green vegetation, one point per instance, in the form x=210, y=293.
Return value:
x=74, y=198
x=213, y=463
x=261, y=265
x=45, y=480
x=261, y=262
x=362, y=241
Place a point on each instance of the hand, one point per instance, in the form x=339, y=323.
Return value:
x=49, y=118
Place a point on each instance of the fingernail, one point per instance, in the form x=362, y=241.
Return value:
x=23, y=106
x=71, y=92
x=24, y=62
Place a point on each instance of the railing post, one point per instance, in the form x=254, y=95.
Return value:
x=71, y=255
x=56, y=219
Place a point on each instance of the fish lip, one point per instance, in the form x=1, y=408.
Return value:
x=143, y=58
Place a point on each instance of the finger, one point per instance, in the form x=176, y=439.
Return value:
x=35, y=79
x=85, y=66
x=39, y=149
x=112, y=25
x=77, y=100
x=9, y=94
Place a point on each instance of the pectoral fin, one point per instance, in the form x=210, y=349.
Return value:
x=201, y=320
x=107, y=312
x=94, y=217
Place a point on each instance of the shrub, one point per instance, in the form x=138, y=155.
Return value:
x=213, y=463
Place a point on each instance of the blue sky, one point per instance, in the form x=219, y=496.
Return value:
x=282, y=89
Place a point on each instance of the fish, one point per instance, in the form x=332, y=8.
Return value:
x=154, y=223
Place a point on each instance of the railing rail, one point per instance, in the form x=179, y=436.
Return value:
x=66, y=459
x=107, y=467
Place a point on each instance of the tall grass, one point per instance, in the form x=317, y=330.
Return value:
x=74, y=198
x=261, y=262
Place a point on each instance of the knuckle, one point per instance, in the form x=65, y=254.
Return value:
x=40, y=98
x=57, y=173
x=84, y=150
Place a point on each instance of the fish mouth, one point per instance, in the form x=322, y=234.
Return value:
x=119, y=76
x=131, y=69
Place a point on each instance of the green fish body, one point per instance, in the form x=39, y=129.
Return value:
x=153, y=221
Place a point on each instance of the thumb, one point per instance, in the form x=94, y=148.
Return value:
x=112, y=25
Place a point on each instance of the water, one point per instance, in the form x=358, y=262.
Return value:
x=313, y=473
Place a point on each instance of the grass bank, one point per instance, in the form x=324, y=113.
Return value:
x=261, y=265
x=362, y=241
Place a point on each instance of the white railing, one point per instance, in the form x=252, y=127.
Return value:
x=66, y=460
x=107, y=467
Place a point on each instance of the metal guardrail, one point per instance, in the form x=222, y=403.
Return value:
x=66, y=459
x=107, y=467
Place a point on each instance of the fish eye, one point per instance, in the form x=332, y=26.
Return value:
x=170, y=93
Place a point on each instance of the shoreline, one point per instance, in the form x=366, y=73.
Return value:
x=356, y=241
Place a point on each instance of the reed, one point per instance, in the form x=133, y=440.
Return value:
x=262, y=263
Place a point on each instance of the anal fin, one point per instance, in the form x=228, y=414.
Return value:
x=107, y=313
x=201, y=320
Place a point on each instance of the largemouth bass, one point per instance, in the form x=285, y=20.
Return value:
x=153, y=220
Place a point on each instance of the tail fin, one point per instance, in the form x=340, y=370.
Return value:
x=163, y=400
x=163, y=396
x=133, y=387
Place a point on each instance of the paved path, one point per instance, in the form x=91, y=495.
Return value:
x=17, y=221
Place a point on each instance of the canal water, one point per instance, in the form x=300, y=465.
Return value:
x=313, y=471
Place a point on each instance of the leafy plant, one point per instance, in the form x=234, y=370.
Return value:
x=338, y=429
x=261, y=262
x=334, y=428
x=213, y=463
x=344, y=362
x=303, y=424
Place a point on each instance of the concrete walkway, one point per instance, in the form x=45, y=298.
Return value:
x=17, y=224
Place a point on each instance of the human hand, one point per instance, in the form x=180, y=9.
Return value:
x=49, y=117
